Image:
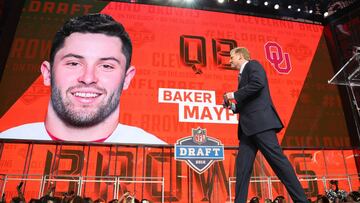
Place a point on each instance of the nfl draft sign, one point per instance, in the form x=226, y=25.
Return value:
x=199, y=151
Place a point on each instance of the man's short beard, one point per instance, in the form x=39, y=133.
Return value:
x=83, y=119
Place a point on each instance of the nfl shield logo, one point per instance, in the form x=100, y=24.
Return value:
x=199, y=151
x=199, y=135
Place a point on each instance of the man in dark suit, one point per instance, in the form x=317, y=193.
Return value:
x=258, y=125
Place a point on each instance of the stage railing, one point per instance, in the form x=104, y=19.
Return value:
x=45, y=180
x=270, y=180
x=117, y=180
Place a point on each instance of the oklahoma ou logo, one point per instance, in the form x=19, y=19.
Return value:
x=276, y=57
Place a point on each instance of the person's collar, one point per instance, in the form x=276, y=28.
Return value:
x=53, y=137
x=243, y=66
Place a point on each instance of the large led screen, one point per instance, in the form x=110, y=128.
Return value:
x=181, y=57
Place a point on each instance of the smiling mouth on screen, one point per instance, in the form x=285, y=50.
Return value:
x=86, y=97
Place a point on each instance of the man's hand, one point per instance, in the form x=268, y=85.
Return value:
x=229, y=96
x=227, y=103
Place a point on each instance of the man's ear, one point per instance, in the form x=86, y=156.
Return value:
x=46, y=73
x=130, y=73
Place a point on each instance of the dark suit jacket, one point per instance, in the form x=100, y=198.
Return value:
x=254, y=104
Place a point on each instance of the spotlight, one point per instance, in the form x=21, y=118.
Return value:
x=235, y=0
x=248, y=1
x=266, y=3
x=326, y=14
x=276, y=6
x=221, y=1
x=356, y=49
x=310, y=11
x=289, y=6
x=299, y=9
x=189, y=1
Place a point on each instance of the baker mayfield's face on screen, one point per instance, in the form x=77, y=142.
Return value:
x=87, y=78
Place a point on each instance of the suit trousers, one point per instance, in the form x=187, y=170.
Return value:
x=268, y=144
